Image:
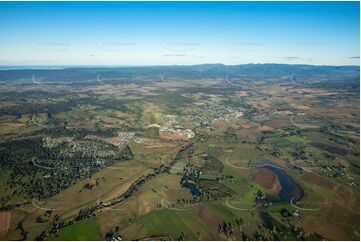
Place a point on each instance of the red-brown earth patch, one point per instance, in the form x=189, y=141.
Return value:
x=275, y=124
x=4, y=222
x=329, y=147
x=173, y=136
x=267, y=179
x=113, y=142
x=319, y=180
x=207, y=216
x=160, y=144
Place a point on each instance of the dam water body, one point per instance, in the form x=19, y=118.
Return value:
x=289, y=187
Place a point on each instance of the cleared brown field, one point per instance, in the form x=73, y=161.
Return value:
x=329, y=147
x=173, y=136
x=268, y=180
x=4, y=222
x=318, y=180
x=207, y=216
x=276, y=124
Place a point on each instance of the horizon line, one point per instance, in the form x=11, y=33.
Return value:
x=63, y=66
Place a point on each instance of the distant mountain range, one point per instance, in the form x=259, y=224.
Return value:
x=80, y=73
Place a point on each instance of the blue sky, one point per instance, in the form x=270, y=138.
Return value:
x=167, y=33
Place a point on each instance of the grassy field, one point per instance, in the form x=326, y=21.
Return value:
x=250, y=193
x=154, y=224
x=85, y=230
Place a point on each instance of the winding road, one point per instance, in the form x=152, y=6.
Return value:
x=304, y=209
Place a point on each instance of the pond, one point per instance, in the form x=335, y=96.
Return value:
x=289, y=188
x=190, y=186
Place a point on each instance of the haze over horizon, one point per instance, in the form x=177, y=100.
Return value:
x=179, y=33
x=64, y=66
